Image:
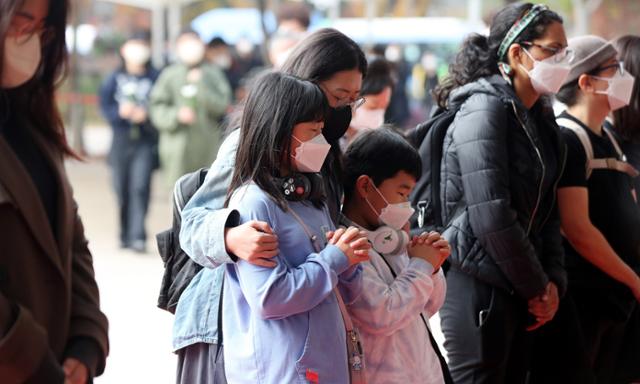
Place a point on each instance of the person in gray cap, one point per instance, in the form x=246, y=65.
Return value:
x=599, y=215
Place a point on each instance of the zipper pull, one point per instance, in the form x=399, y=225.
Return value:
x=422, y=210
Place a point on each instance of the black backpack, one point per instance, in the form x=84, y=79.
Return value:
x=428, y=139
x=179, y=268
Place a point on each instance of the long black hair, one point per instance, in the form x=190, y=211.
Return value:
x=626, y=119
x=35, y=100
x=324, y=53
x=478, y=56
x=275, y=104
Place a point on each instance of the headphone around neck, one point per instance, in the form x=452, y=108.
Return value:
x=302, y=186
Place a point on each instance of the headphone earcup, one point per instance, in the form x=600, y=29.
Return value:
x=388, y=241
x=295, y=187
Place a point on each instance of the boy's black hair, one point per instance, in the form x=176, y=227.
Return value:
x=380, y=154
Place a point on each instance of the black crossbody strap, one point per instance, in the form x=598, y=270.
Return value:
x=443, y=363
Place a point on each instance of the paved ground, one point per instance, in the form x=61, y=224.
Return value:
x=139, y=331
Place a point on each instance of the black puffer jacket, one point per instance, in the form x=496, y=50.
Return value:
x=501, y=174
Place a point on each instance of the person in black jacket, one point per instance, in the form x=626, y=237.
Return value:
x=502, y=158
x=124, y=101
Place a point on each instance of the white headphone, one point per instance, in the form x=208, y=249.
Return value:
x=388, y=241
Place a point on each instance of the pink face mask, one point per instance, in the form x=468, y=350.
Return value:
x=393, y=215
x=619, y=91
x=547, y=76
x=310, y=155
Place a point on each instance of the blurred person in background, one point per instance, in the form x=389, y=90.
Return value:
x=398, y=112
x=220, y=54
x=51, y=327
x=626, y=124
x=124, y=101
x=187, y=103
x=376, y=91
x=293, y=17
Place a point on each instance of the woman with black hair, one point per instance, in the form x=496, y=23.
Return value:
x=51, y=327
x=124, y=101
x=502, y=158
x=210, y=233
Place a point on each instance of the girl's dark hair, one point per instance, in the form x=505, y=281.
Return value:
x=380, y=154
x=324, y=53
x=35, y=101
x=275, y=104
x=478, y=56
x=379, y=76
x=626, y=119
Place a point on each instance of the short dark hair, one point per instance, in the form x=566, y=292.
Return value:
x=217, y=42
x=380, y=154
x=568, y=94
x=299, y=12
x=275, y=104
x=379, y=76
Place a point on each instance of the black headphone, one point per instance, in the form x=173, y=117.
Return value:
x=302, y=186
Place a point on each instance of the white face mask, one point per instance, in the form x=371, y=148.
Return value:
x=310, y=155
x=222, y=61
x=367, y=118
x=619, y=90
x=21, y=60
x=546, y=75
x=136, y=54
x=393, y=215
x=190, y=52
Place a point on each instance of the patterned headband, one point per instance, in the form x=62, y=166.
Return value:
x=519, y=26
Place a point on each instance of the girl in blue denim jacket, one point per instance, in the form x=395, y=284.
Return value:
x=283, y=324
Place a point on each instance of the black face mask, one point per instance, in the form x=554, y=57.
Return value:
x=336, y=123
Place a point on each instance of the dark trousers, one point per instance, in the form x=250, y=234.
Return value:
x=628, y=369
x=559, y=352
x=484, y=329
x=132, y=164
x=604, y=335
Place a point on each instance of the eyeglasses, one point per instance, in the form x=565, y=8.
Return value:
x=354, y=104
x=558, y=55
x=619, y=68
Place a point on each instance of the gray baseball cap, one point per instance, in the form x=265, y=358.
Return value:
x=589, y=52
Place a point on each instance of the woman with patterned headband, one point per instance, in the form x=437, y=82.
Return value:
x=502, y=158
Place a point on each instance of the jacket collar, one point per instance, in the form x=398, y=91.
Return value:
x=18, y=184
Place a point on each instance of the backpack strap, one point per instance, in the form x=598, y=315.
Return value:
x=583, y=136
x=619, y=164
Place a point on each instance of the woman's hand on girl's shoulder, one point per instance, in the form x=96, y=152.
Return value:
x=254, y=242
x=352, y=242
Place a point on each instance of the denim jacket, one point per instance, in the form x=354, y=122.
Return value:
x=204, y=219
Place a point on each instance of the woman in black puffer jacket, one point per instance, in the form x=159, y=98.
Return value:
x=502, y=160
